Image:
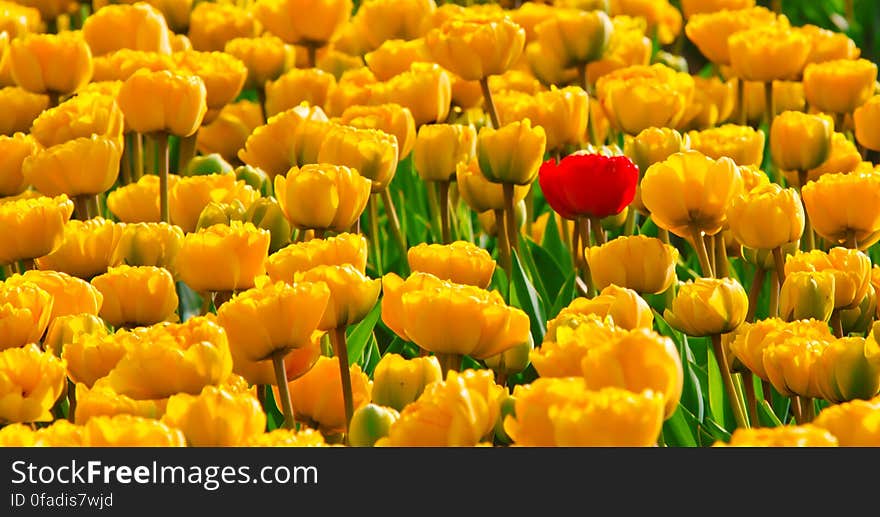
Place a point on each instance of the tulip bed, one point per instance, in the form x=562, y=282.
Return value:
x=393, y=223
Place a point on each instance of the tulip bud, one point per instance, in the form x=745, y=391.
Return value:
x=849, y=369
x=766, y=217
x=613, y=263
x=220, y=213
x=512, y=361
x=799, y=141
x=369, y=423
x=853, y=423
x=398, y=381
x=511, y=154
x=508, y=409
x=255, y=177
x=858, y=319
x=866, y=119
x=266, y=213
x=207, y=164
x=708, y=306
x=65, y=330
x=653, y=145
x=807, y=294
x=839, y=86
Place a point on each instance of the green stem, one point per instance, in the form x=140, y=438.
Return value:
x=375, y=239
x=510, y=212
x=774, y=297
x=779, y=261
x=93, y=203
x=583, y=229
x=807, y=409
x=312, y=53
x=809, y=243
x=743, y=103
x=138, y=156
x=126, y=162
x=836, y=324
x=700, y=246
x=751, y=399
x=283, y=390
x=769, y=105
x=391, y=212
x=443, y=187
x=449, y=362
x=629, y=227
x=162, y=146
x=598, y=231
x=504, y=254
x=721, y=265
x=851, y=241
x=150, y=155
x=530, y=209
x=186, y=151
x=490, y=104
x=797, y=410
x=755, y=293
x=71, y=401
x=340, y=350
x=721, y=358
x=81, y=208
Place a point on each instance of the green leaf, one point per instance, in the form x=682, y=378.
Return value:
x=546, y=268
x=360, y=335
x=524, y=296
x=274, y=417
x=189, y=302
x=499, y=283
x=717, y=432
x=677, y=432
x=766, y=415
x=552, y=243
x=534, y=275
x=567, y=293
x=372, y=355
x=469, y=363
x=716, y=388
x=692, y=394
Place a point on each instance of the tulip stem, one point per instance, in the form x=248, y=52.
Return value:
x=261, y=98
x=851, y=241
x=796, y=409
x=373, y=203
x=598, y=231
x=530, y=209
x=743, y=104
x=443, y=188
x=810, y=240
x=126, y=162
x=807, y=409
x=774, y=298
x=490, y=104
x=732, y=394
x=767, y=390
x=709, y=241
x=629, y=227
x=503, y=244
x=81, y=208
x=449, y=362
x=755, y=293
x=836, y=324
x=71, y=401
x=583, y=228
x=283, y=390
x=700, y=246
x=93, y=203
x=513, y=234
x=780, y=264
x=206, y=303
x=311, y=53
x=395, y=221
x=186, y=151
x=138, y=141
x=721, y=265
x=149, y=155
x=162, y=144
x=751, y=399
x=340, y=350
x=769, y=105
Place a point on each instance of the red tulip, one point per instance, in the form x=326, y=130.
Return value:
x=589, y=185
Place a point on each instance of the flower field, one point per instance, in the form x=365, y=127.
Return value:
x=398, y=223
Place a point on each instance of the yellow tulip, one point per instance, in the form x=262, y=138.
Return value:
x=569, y=338
x=577, y=37
x=288, y=139
x=480, y=193
x=190, y=195
x=460, y=262
x=643, y=264
x=223, y=258
x=13, y=151
x=807, y=294
x=21, y=19
x=121, y=64
x=692, y=7
x=475, y=48
x=800, y=141
x=177, y=102
x=839, y=86
x=662, y=18
x=689, y=192
x=172, y=358
x=628, y=46
x=20, y=108
x=91, y=403
x=30, y=382
x=768, y=53
x=398, y=382
x=370, y=423
x=394, y=56
x=742, y=144
x=298, y=86
x=382, y=20
x=392, y=119
x=263, y=56
x=80, y=167
x=305, y=22
x=785, y=436
x=639, y=97
x=843, y=157
x=212, y=25
x=91, y=357
x=563, y=114
x=25, y=311
x=393, y=289
x=854, y=423
x=130, y=431
x=372, y=153
x=640, y=360
x=866, y=117
x=512, y=153
x=488, y=327
x=34, y=227
x=138, y=202
x=791, y=366
x=457, y=412
x=424, y=89
x=708, y=306
x=439, y=148
x=296, y=363
x=288, y=438
x=713, y=103
x=317, y=395
x=352, y=294
x=767, y=217
x=51, y=63
x=322, y=196
x=230, y=130
x=851, y=270
x=86, y=250
x=848, y=369
x=136, y=295
x=216, y=417
x=223, y=75
x=82, y=116
x=66, y=329
x=828, y=45
x=286, y=316
x=70, y=295
x=860, y=191
x=355, y=86
x=625, y=307
x=345, y=248
x=654, y=144
x=710, y=31
x=138, y=27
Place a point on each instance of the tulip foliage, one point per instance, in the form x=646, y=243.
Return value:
x=416, y=223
